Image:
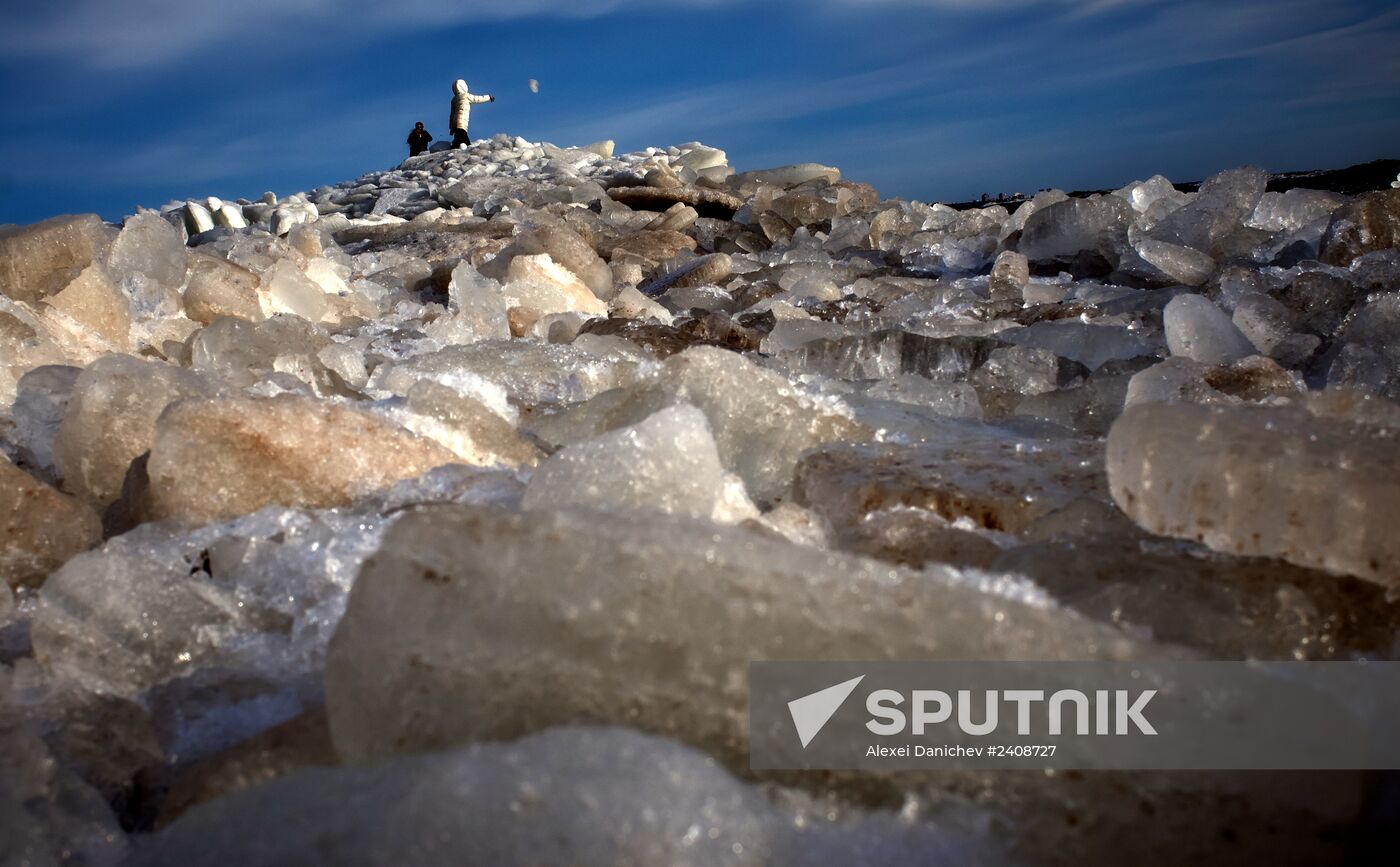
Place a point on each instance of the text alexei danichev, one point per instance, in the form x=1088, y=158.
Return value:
x=957, y=751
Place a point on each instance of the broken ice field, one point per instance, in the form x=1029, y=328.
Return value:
x=441, y=511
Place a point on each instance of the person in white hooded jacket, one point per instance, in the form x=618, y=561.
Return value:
x=462, y=102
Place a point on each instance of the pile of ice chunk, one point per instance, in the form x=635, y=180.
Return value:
x=472, y=486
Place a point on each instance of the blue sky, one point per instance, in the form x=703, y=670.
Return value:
x=114, y=103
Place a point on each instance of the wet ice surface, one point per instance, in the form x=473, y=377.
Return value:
x=471, y=487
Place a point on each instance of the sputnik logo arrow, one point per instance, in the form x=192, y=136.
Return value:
x=812, y=712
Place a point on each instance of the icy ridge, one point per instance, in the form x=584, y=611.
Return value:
x=515, y=455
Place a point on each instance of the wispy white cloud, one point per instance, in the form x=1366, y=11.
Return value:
x=134, y=34
x=748, y=104
x=127, y=34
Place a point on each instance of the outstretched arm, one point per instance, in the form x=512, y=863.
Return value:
x=479, y=98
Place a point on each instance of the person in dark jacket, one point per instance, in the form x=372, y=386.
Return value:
x=418, y=139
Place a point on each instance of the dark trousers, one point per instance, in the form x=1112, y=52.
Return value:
x=459, y=137
x=416, y=149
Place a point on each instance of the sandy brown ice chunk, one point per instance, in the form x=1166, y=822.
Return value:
x=111, y=418
x=1271, y=481
x=95, y=303
x=219, y=288
x=40, y=528
x=995, y=483
x=37, y=261
x=219, y=458
x=1370, y=223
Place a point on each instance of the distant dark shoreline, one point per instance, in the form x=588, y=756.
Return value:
x=1350, y=181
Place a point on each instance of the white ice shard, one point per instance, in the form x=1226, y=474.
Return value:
x=253, y=600
x=528, y=373
x=1064, y=229
x=476, y=433
x=1183, y=264
x=536, y=286
x=197, y=218
x=230, y=216
x=791, y=333
x=479, y=303
x=565, y=248
x=955, y=400
x=1219, y=210
x=1043, y=199
x=760, y=421
x=701, y=158
x=631, y=304
x=238, y=352
x=148, y=261
x=1294, y=209
x=603, y=148
x=290, y=214
x=1199, y=330
x=1154, y=198
x=667, y=463
x=286, y=289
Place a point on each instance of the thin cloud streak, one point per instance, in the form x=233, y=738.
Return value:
x=138, y=34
